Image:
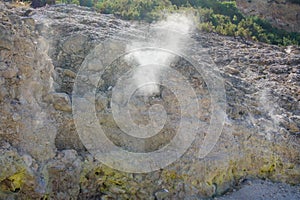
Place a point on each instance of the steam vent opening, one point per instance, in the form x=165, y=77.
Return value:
x=138, y=99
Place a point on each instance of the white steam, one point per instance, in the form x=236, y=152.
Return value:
x=171, y=35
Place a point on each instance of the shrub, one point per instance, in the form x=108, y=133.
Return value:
x=134, y=9
x=218, y=16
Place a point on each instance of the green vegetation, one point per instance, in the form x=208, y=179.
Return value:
x=250, y=28
x=294, y=1
x=218, y=16
x=148, y=10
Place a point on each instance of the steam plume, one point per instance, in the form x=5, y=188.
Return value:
x=170, y=34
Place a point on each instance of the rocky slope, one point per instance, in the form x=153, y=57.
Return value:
x=42, y=155
x=281, y=13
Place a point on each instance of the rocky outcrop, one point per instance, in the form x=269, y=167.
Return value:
x=26, y=79
x=44, y=156
x=281, y=13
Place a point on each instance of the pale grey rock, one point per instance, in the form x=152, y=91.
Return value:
x=260, y=138
x=61, y=101
x=161, y=194
x=263, y=189
x=62, y=175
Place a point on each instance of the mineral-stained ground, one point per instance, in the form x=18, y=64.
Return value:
x=41, y=153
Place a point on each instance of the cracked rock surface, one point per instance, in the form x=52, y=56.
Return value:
x=42, y=155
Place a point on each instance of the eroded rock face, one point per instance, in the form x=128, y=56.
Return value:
x=26, y=79
x=41, y=149
x=281, y=13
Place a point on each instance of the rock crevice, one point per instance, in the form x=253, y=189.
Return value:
x=40, y=56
